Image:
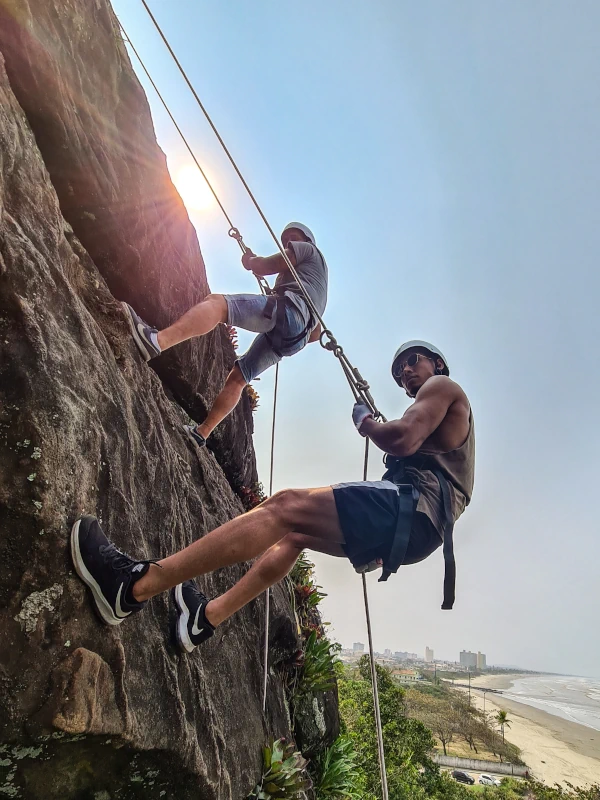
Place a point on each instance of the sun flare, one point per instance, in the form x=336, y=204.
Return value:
x=193, y=189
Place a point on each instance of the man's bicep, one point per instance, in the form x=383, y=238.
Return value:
x=427, y=413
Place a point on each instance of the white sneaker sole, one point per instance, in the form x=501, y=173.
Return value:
x=140, y=343
x=104, y=608
x=181, y=630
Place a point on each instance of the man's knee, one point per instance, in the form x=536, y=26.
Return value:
x=219, y=303
x=236, y=378
x=288, y=504
x=295, y=541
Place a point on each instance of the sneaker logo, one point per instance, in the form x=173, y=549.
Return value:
x=196, y=631
x=119, y=610
x=140, y=328
x=137, y=568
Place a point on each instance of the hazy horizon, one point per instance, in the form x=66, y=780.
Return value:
x=446, y=156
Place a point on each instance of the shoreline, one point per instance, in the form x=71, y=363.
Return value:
x=556, y=750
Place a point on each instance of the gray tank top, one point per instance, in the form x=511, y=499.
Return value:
x=458, y=466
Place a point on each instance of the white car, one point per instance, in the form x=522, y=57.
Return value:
x=489, y=780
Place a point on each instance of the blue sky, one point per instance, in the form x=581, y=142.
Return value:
x=446, y=156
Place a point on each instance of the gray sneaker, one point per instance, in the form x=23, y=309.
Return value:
x=142, y=334
x=194, y=436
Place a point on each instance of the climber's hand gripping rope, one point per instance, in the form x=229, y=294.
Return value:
x=360, y=413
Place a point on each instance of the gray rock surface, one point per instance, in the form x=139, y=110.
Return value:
x=88, y=711
x=70, y=72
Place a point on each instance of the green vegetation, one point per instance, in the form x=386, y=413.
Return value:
x=502, y=720
x=452, y=719
x=412, y=719
x=283, y=773
x=318, y=673
x=337, y=776
x=412, y=775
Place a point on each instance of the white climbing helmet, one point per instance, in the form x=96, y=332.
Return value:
x=435, y=352
x=298, y=226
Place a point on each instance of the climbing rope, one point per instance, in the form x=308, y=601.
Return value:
x=268, y=592
x=375, y=688
x=359, y=387
x=327, y=340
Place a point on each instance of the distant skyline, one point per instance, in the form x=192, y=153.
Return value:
x=446, y=155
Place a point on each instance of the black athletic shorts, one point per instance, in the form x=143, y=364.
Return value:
x=368, y=512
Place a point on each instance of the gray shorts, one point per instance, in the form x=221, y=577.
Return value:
x=247, y=311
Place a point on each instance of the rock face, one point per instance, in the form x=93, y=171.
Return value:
x=88, y=711
x=71, y=74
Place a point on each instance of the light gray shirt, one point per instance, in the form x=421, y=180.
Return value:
x=312, y=271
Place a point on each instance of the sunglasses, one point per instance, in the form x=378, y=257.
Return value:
x=412, y=359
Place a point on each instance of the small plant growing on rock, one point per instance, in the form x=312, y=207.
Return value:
x=339, y=777
x=318, y=672
x=232, y=333
x=305, y=595
x=253, y=397
x=252, y=496
x=284, y=773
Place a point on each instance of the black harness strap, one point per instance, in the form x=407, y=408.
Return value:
x=449, y=561
x=279, y=299
x=275, y=336
x=407, y=497
x=408, y=502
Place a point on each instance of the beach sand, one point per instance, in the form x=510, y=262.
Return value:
x=555, y=749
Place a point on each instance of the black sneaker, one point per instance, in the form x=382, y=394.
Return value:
x=193, y=434
x=142, y=334
x=192, y=626
x=109, y=573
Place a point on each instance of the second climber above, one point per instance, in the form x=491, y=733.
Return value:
x=282, y=320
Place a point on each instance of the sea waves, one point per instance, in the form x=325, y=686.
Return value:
x=570, y=697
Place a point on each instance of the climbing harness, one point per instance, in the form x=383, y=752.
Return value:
x=358, y=385
x=409, y=495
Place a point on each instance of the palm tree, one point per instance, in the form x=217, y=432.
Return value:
x=502, y=720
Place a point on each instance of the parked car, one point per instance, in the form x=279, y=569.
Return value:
x=489, y=780
x=462, y=777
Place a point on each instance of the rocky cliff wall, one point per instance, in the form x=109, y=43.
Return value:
x=85, y=426
x=70, y=72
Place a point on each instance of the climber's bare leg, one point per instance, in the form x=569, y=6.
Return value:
x=308, y=511
x=225, y=402
x=199, y=320
x=273, y=566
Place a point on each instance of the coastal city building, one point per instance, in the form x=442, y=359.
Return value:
x=468, y=659
x=406, y=675
x=428, y=655
x=403, y=655
x=387, y=653
x=471, y=660
x=358, y=647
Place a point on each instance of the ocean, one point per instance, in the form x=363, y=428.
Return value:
x=572, y=698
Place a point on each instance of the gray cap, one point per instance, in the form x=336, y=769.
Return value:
x=435, y=351
x=303, y=229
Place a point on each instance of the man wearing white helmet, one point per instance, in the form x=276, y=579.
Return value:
x=401, y=519
x=282, y=320
x=430, y=459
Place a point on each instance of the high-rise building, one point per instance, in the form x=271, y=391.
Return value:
x=468, y=659
x=387, y=653
x=358, y=647
x=428, y=655
x=481, y=662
